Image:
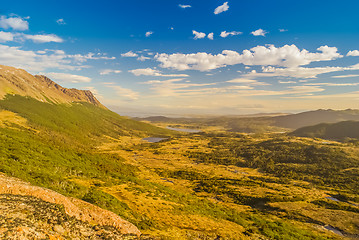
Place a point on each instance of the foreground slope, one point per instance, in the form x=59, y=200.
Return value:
x=37, y=210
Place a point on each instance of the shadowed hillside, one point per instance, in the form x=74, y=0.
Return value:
x=334, y=131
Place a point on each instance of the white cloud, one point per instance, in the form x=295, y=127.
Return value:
x=129, y=54
x=108, y=71
x=210, y=35
x=36, y=61
x=283, y=30
x=143, y=58
x=353, y=53
x=198, y=35
x=297, y=72
x=44, y=38
x=15, y=23
x=184, y=6
x=286, y=56
x=6, y=36
x=346, y=76
x=224, y=7
x=333, y=84
x=176, y=87
x=66, y=77
x=154, y=72
x=259, y=32
x=226, y=34
x=149, y=33
x=125, y=92
x=90, y=56
x=61, y=21
x=248, y=81
x=286, y=82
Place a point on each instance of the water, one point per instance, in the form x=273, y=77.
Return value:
x=333, y=199
x=153, y=139
x=188, y=130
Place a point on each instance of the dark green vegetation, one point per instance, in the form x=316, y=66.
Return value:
x=341, y=131
x=61, y=149
x=287, y=158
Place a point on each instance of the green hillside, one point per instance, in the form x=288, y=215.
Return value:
x=334, y=131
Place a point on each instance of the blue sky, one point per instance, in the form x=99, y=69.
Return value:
x=191, y=57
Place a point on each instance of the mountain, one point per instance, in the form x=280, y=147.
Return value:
x=19, y=82
x=333, y=131
x=310, y=118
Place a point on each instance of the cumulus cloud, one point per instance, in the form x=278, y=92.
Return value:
x=90, y=56
x=36, y=61
x=66, y=77
x=184, y=6
x=353, y=53
x=259, y=32
x=61, y=21
x=210, y=36
x=129, y=54
x=286, y=56
x=224, y=7
x=43, y=38
x=143, y=58
x=16, y=23
x=198, y=35
x=108, y=71
x=153, y=72
x=149, y=33
x=225, y=34
x=6, y=36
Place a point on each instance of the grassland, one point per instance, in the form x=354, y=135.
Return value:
x=211, y=185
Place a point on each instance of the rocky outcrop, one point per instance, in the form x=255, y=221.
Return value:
x=78, y=209
x=18, y=81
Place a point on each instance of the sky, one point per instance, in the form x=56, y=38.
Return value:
x=191, y=57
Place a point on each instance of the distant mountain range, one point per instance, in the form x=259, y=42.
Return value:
x=19, y=82
x=265, y=123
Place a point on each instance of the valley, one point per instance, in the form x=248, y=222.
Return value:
x=207, y=181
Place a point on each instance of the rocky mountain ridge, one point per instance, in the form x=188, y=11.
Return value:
x=18, y=81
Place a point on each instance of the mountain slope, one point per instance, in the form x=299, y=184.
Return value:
x=334, y=131
x=20, y=82
x=310, y=118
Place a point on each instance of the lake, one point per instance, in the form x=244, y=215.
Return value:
x=188, y=130
x=153, y=139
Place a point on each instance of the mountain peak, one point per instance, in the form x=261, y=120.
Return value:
x=18, y=81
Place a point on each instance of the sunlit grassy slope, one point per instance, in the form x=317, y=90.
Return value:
x=211, y=185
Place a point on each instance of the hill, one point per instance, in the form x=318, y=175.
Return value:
x=333, y=131
x=19, y=82
x=310, y=118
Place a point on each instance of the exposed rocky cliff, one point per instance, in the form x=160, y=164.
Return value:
x=18, y=81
